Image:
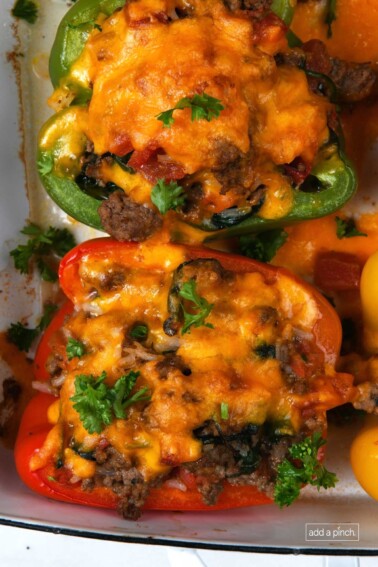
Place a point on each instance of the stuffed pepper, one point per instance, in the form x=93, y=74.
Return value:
x=181, y=378
x=172, y=114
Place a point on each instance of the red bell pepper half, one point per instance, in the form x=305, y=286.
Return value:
x=53, y=482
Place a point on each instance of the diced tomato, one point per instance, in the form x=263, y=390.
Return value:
x=154, y=164
x=269, y=30
x=298, y=170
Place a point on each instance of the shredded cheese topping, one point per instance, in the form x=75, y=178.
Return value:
x=248, y=356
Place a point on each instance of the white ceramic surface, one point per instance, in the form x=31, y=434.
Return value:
x=256, y=529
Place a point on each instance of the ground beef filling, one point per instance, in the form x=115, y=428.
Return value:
x=353, y=81
x=242, y=458
x=256, y=8
x=124, y=479
x=126, y=220
x=246, y=458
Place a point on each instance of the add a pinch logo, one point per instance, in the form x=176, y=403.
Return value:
x=332, y=532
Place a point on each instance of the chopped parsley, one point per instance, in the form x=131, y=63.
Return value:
x=330, y=15
x=203, y=106
x=75, y=349
x=139, y=332
x=42, y=244
x=263, y=246
x=346, y=228
x=166, y=196
x=47, y=273
x=306, y=470
x=23, y=336
x=45, y=163
x=25, y=10
x=201, y=307
x=224, y=413
x=98, y=404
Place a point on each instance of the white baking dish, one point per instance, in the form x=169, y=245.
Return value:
x=263, y=528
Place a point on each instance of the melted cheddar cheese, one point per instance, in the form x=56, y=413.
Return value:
x=255, y=353
x=134, y=80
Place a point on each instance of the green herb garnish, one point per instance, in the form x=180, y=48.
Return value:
x=263, y=246
x=47, y=273
x=75, y=349
x=201, y=306
x=121, y=394
x=139, y=332
x=224, y=413
x=346, y=228
x=25, y=10
x=203, y=106
x=23, y=336
x=302, y=468
x=166, y=196
x=45, y=163
x=40, y=246
x=98, y=404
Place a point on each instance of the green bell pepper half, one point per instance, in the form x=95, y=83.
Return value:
x=77, y=24
x=331, y=183
x=334, y=174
